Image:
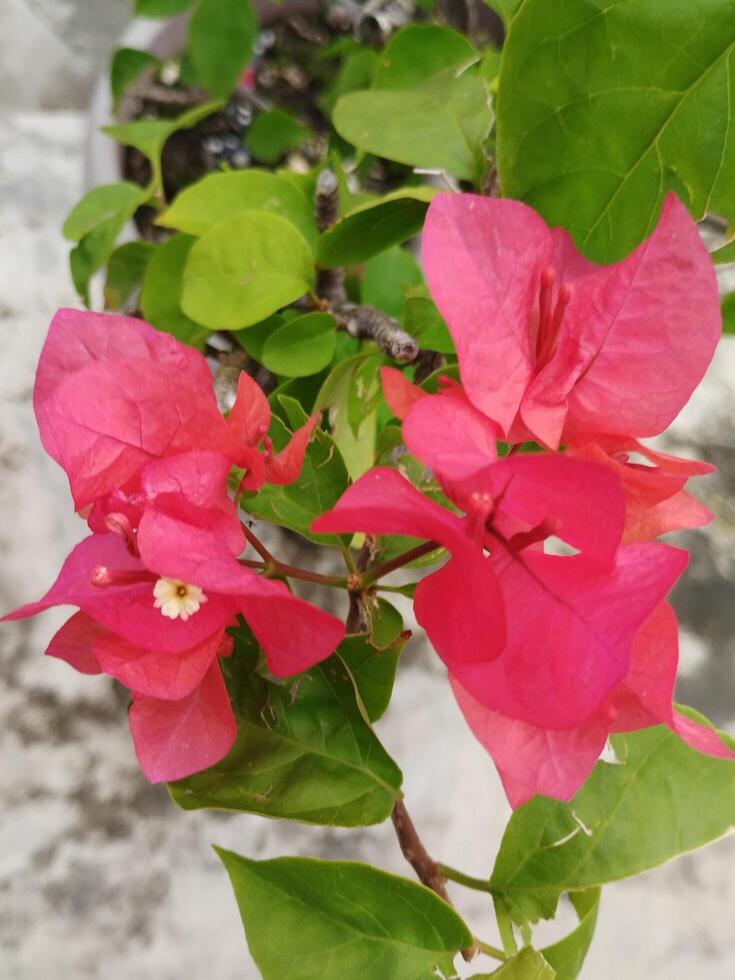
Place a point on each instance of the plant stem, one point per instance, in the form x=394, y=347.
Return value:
x=488, y=950
x=477, y=884
x=398, y=562
x=258, y=545
x=427, y=871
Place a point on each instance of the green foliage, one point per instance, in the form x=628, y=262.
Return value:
x=418, y=52
x=302, y=346
x=218, y=197
x=303, y=751
x=506, y=8
x=662, y=800
x=127, y=66
x=351, y=921
x=372, y=662
x=161, y=8
x=125, y=270
x=636, y=102
x=527, y=965
x=220, y=42
x=567, y=956
x=386, y=279
x=373, y=227
x=244, y=269
x=424, y=322
x=161, y=296
x=273, y=133
x=728, y=313
x=351, y=395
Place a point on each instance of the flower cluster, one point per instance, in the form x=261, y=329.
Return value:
x=549, y=650
x=131, y=416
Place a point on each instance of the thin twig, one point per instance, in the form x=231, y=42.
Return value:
x=398, y=562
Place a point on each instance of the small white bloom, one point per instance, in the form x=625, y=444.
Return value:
x=177, y=599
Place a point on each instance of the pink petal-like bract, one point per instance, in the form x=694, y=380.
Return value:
x=399, y=393
x=75, y=642
x=250, y=416
x=564, y=346
x=285, y=467
x=174, y=739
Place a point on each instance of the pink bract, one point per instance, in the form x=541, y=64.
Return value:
x=557, y=347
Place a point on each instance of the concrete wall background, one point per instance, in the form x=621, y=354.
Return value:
x=100, y=876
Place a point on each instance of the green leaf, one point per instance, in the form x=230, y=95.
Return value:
x=386, y=622
x=386, y=277
x=373, y=670
x=244, y=269
x=440, y=125
x=600, y=113
x=108, y=201
x=567, y=956
x=161, y=296
x=218, y=197
x=161, y=8
x=149, y=135
x=334, y=920
x=424, y=322
x=356, y=72
x=419, y=51
x=126, y=67
x=724, y=255
x=728, y=313
x=374, y=227
x=254, y=339
x=302, y=346
x=506, y=8
x=322, y=481
x=220, y=42
x=273, y=133
x=351, y=394
x=527, y=965
x=303, y=751
x=125, y=270
x=662, y=800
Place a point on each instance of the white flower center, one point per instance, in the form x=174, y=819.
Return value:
x=176, y=599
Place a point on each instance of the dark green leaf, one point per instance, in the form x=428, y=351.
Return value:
x=100, y=204
x=125, y=270
x=244, y=269
x=662, y=800
x=724, y=255
x=728, y=314
x=273, y=133
x=420, y=51
x=506, y=8
x=373, y=670
x=220, y=42
x=303, y=751
x=161, y=296
x=567, y=956
x=302, y=346
x=374, y=227
x=424, y=322
x=127, y=66
x=161, y=8
x=442, y=124
x=218, y=197
x=386, y=277
x=336, y=920
x=601, y=110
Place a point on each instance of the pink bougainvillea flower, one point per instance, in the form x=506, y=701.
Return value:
x=249, y=422
x=539, y=637
x=156, y=594
x=554, y=347
x=535, y=759
x=655, y=499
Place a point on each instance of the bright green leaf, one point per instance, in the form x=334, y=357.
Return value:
x=419, y=51
x=374, y=227
x=302, y=346
x=506, y=8
x=161, y=8
x=218, y=197
x=126, y=67
x=373, y=670
x=335, y=920
x=567, y=956
x=161, y=295
x=356, y=72
x=724, y=255
x=441, y=124
x=527, y=965
x=125, y=270
x=244, y=269
x=303, y=751
x=354, y=383
x=606, y=105
x=423, y=321
x=273, y=133
x=220, y=42
x=662, y=800
x=98, y=205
